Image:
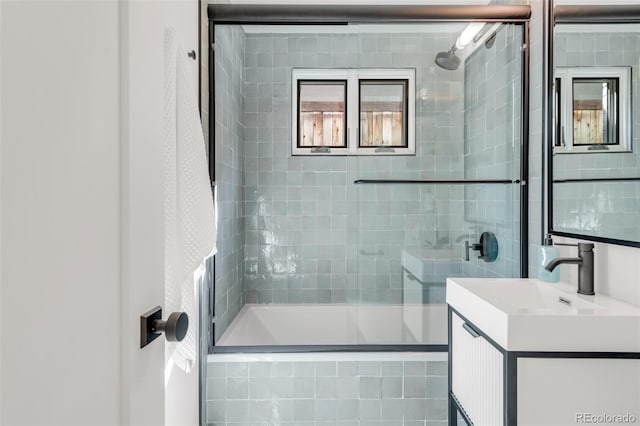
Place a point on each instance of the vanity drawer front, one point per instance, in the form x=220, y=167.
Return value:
x=477, y=374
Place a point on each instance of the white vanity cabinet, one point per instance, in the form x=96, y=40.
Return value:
x=531, y=360
x=477, y=374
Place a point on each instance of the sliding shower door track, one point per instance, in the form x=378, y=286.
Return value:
x=327, y=348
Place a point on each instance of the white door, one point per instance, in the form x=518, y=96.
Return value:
x=151, y=382
x=81, y=216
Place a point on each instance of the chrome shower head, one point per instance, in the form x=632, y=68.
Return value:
x=448, y=60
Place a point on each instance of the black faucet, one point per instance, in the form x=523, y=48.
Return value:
x=585, y=267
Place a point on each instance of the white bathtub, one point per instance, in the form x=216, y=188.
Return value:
x=341, y=324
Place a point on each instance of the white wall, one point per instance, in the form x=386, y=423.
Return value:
x=81, y=209
x=60, y=207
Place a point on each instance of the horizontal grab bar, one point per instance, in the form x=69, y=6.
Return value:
x=613, y=179
x=438, y=181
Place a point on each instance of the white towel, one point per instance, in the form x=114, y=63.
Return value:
x=190, y=221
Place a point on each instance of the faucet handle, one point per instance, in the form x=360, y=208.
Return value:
x=585, y=246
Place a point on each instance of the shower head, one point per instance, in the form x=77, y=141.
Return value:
x=448, y=60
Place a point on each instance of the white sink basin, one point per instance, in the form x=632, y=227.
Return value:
x=532, y=315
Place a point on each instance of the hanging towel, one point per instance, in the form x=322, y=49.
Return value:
x=190, y=220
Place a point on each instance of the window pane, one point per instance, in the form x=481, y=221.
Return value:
x=321, y=114
x=595, y=111
x=383, y=107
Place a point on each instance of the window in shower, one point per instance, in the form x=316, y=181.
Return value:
x=383, y=113
x=353, y=112
x=322, y=114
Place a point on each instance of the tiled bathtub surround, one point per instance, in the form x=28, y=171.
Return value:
x=229, y=163
x=314, y=237
x=604, y=209
x=309, y=234
x=337, y=391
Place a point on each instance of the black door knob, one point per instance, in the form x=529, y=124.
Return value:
x=174, y=328
x=152, y=326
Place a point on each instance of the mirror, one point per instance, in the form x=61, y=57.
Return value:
x=595, y=147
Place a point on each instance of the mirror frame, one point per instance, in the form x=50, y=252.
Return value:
x=572, y=14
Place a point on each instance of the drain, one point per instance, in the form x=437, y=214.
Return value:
x=563, y=300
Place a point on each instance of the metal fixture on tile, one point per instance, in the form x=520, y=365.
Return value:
x=585, y=267
x=448, y=60
x=490, y=41
x=474, y=32
x=488, y=247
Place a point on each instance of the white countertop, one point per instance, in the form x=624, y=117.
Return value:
x=527, y=315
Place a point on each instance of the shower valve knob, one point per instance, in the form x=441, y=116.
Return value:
x=488, y=247
x=152, y=326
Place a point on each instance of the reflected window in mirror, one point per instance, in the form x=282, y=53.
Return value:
x=595, y=111
x=592, y=110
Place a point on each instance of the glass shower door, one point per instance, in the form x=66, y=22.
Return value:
x=417, y=213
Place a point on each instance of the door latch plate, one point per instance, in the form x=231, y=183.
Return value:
x=147, y=330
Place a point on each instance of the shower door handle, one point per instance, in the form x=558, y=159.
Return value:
x=152, y=326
